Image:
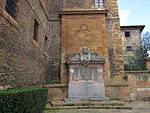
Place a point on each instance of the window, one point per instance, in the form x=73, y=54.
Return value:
x=46, y=43
x=11, y=6
x=129, y=48
x=127, y=34
x=36, y=28
x=99, y=3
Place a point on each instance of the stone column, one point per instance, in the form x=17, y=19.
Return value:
x=148, y=63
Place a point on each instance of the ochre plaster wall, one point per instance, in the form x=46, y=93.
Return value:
x=80, y=31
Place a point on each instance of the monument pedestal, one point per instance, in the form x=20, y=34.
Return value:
x=86, y=82
x=86, y=89
x=86, y=78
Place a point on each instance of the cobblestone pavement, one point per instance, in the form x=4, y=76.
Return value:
x=138, y=107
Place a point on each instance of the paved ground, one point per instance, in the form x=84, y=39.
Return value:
x=138, y=107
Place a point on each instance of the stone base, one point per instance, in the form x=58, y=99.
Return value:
x=86, y=89
x=57, y=92
x=117, y=91
x=87, y=99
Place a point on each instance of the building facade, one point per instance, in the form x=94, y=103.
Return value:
x=93, y=24
x=131, y=39
x=109, y=25
x=24, y=28
x=38, y=37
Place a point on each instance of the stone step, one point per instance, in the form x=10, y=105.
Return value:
x=86, y=103
x=89, y=107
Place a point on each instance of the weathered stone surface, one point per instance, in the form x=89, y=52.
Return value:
x=113, y=29
x=22, y=61
x=134, y=40
x=21, y=58
x=86, y=57
x=138, y=107
x=75, y=4
x=139, y=84
x=68, y=37
x=117, y=91
x=53, y=61
x=1, y=88
x=148, y=63
x=115, y=48
x=85, y=77
x=57, y=92
x=74, y=38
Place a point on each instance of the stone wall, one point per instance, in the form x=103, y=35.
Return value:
x=148, y=63
x=59, y=92
x=119, y=91
x=78, y=4
x=134, y=40
x=75, y=37
x=115, y=49
x=113, y=34
x=139, y=84
x=54, y=48
x=53, y=61
x=21, y=58
x=115, y=41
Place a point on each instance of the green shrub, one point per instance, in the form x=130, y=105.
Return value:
x=136, y=62
x=31, y=100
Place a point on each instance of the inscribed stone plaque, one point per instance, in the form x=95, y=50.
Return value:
x=85, y=73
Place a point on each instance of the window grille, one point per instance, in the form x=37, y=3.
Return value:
x=36, y=28
x=99, y=3
x=11, y=6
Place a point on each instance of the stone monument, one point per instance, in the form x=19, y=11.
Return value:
x=86, y=77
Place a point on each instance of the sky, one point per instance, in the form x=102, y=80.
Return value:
x=135, y=12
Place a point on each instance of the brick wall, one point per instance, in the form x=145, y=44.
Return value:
x=21, y=58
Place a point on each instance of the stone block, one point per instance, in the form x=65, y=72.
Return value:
x=148, y=63
x=1, y=87
x=57, y=92
x=117, y=91
x=139, y=84
x=86, y=90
